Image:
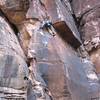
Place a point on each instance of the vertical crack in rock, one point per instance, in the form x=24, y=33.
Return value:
x=49, y=50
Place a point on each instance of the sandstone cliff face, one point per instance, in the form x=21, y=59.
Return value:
x=49, y=50
x=87, y=14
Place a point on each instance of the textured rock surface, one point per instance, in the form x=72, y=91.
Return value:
x=61, y=16
x=83, y=6
x=15, y=10
x=52, y=68
x=87, y=12
x=13, y=67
